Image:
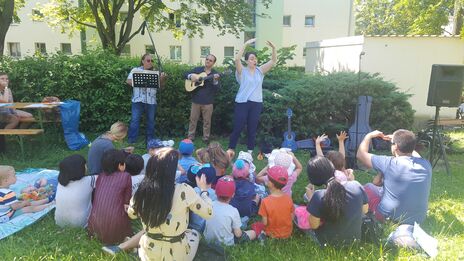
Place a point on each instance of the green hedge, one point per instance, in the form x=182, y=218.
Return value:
x=321, y=103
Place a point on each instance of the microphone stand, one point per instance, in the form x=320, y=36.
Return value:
x=153, y=46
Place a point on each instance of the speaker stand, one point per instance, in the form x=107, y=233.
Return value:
x=438, y=136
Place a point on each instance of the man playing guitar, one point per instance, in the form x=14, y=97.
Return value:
x=203, y=97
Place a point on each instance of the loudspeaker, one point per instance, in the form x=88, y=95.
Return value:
x=445, y=88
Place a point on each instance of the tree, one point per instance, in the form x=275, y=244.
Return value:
x=405, y=16
x=7, y=16
x=114, y=20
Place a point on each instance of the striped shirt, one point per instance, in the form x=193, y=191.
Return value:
x=108, y=220
x=144, y=95
x=251, y=85
x=7, y=197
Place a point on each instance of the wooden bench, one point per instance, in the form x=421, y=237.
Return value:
x=20, y=133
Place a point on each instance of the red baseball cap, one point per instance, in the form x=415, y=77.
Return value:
x=225, y=187
x=279, y=174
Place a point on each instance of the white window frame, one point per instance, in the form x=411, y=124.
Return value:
x=17, y=52
x=62, y=49
x=233, y=51
x=177, y=52
x=38, y=48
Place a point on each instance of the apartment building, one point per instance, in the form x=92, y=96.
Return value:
x=287, y=23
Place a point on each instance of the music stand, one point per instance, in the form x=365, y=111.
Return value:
x=145, y=79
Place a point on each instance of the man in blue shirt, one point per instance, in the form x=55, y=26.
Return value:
x=405, y=178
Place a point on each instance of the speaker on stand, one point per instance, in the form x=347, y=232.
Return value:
x=445, y=90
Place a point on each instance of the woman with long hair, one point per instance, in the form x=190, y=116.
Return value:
x=340, y=206
x=163, y=206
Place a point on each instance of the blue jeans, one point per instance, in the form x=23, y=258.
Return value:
x=245, y=114
x=137, y=110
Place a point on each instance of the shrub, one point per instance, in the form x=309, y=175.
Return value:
x=321, y=103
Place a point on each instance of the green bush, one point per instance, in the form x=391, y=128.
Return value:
x=321, y=103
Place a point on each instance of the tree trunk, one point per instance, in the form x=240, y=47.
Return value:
x=458, y=16
x=6, y=17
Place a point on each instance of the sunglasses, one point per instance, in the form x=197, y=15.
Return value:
x=148, y=60
x=210, y=60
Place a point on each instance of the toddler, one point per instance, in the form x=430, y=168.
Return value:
x=224, y=226
x=186, y=160
x=10, y=207
x=196, y=222
x=108, y=219
x=245, y=198
x=134, y=166
x=276, y=210
x=74, y=192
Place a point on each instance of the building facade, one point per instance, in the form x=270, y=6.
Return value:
x=286, y=23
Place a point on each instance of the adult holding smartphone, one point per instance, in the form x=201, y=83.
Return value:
x=249, y=98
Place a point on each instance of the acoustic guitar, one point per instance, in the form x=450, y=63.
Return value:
x=289, y=136
x=202, y=77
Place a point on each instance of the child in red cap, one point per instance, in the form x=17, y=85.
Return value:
x=224, y=226
x=276, y=210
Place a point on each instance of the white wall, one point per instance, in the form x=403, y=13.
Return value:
x=405, y=61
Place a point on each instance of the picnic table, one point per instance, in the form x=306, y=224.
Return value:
x=20, y=133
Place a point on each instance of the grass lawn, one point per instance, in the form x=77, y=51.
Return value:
x=46, y=241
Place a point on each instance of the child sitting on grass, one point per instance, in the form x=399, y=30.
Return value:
x=224, y=226
x=74, y=192
x=134, y=166
x=10, y=207
x=108, y=219
x=218, y=158
x=245, y=198
x=286, y=159
x=196, y=222
x=153, y=146
x=186, y=149
x=336, y=157
x=276, y=210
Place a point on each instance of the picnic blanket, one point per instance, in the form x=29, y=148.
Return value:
x=26, y=178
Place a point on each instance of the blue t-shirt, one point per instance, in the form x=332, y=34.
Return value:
x=97, y=148
x=186, y=161
x=348, y=227
x=406, y=182
x=243, y=199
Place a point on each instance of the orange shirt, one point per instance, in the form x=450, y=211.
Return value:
x=278, y=211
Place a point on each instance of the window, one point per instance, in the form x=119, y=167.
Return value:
x=126, y=51
x=14, y=49
x=175, y=52
x=204, y=51
x=287, y=21
x=66, y=48
x=304, y=51
x=309, y=20
x=175, y=18
x=40, y=48
x=37, y=15
x=252, y=4
x=206, y=19
x=228, y=51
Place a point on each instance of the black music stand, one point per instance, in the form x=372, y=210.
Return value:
x=146, y=79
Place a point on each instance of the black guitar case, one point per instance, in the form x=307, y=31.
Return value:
x=364, y=110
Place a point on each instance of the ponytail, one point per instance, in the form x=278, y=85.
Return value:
x=334, y=201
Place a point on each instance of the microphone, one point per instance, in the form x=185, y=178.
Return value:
x=144, y=24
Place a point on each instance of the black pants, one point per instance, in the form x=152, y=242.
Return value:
x=246, y=114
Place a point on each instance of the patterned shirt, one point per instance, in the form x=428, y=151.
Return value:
x=144, y=95
x=7, y=197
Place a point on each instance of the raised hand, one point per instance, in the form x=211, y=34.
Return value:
x=270, y=44
x=201, y=182
x=321, y=138
x=250, y=41
x=342, y=136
